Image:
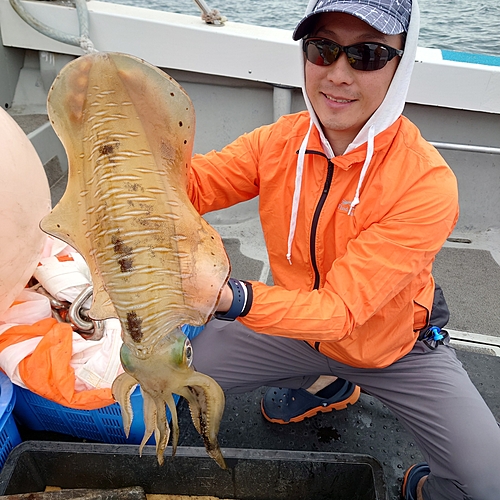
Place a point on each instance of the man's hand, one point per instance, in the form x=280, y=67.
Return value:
x=226, y=299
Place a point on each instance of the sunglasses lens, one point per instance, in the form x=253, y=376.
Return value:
x=367, y=56
x=321, y=53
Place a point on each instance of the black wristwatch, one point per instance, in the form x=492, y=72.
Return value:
x=239, y=301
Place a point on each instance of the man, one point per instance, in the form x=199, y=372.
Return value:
x=354, y=206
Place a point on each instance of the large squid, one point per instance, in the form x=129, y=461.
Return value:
x=128, y=130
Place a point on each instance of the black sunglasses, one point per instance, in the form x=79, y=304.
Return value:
x=368, y=56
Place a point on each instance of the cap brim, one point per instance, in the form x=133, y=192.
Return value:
x=305, y=26
x=377, y=19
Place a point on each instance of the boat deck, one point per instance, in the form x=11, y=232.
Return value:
x=467, y=268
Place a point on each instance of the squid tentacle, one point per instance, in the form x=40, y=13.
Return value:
x=204, y=396
x=123, y=386
x=149, y=419
x=164, y=430
x=175, y=425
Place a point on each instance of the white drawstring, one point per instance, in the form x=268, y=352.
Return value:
x=366, y=164
x=296, y=192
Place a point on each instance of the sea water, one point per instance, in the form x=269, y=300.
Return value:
x=460, y=25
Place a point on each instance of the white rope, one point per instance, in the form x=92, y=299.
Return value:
x=210, y=16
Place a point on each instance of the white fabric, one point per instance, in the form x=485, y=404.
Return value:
x=98, y=364
x=64, y=280
x=28, y=308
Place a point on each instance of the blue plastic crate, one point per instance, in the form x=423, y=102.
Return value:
x=104, y=425
x=9, y=435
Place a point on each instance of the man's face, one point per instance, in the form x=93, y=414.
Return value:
x=342, y=97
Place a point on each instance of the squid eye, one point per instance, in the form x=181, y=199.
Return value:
x=188, y=352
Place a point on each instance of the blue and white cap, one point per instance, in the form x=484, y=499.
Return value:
x=390, y=17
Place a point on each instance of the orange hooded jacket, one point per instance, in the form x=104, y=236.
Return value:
x=359, y=287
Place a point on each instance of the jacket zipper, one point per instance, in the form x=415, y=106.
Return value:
x=314, y=228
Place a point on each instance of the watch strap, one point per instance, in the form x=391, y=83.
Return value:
x=239, y=301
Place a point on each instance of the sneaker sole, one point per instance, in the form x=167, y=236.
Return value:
x=405, y=482
x=341, y=405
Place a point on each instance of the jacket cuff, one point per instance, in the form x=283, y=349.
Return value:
x=249, y=301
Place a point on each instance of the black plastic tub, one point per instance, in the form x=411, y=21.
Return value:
x=251, y=474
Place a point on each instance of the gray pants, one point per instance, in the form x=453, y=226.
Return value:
x=428, y=390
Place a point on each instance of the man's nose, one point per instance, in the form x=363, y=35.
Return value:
x=340, y=71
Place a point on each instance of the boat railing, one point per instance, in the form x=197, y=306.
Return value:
x=83, y=40
x=466, y=148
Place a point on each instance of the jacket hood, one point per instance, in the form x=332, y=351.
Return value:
x=387, y=113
